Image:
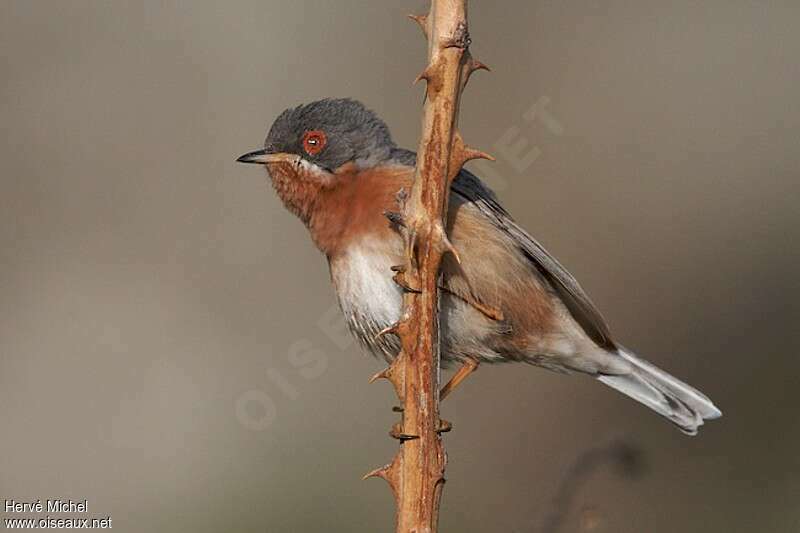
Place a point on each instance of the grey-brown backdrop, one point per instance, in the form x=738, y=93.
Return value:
x=169, y=348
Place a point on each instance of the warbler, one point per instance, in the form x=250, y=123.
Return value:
x=333, y=163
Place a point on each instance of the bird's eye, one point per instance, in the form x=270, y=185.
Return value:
x=314, y=141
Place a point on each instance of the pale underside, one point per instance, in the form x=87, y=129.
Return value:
x=533, y=325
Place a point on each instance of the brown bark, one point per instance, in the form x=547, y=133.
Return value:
x=416, y=474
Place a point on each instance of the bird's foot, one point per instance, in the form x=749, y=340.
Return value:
x=470, y=366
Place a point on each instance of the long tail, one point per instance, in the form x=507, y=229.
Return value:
x=681, y=404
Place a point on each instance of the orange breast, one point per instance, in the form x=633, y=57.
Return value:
x=353, y=208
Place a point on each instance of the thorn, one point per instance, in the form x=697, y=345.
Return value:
x=457, y=157
x=386, y=373
x=398, y=409
x=473, y=153
x=395, y=218
x=422, y=20
x=381, y=472
x=433, y=74
x=474, y=65
x=469, y=67
x=461, y=153
x=424, y=75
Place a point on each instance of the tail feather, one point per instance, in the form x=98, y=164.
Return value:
x=681, y=404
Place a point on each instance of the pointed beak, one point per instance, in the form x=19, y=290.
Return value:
x=262, y=157
x=258, y=157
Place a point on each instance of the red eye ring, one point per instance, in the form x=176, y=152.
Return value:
x=314, y=141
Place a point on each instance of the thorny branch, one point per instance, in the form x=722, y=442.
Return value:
x=416, y=474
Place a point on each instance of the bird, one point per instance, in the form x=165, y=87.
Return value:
x=334, y=164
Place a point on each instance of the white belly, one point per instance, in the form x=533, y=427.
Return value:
x=369, y=298
x=371, y=301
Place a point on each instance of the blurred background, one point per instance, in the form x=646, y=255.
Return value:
x=170, y=346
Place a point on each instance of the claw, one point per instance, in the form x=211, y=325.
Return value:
x=385, y=331
x=395, y=218
x=401, y=196
x=448, y=246
x=400, y=279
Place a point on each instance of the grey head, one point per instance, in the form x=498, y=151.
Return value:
x=327, y=133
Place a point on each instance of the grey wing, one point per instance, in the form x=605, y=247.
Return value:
x=568, y=289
